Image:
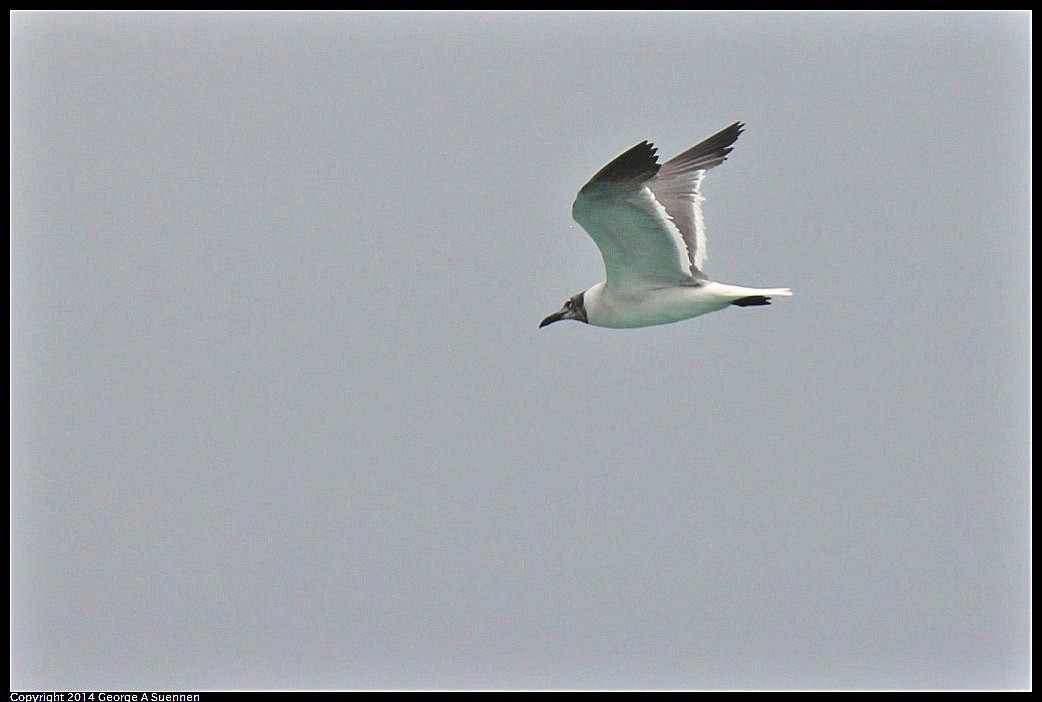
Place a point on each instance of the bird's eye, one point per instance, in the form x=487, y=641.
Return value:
x=567, y=303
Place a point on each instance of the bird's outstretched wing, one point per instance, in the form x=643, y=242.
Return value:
x=646, y=218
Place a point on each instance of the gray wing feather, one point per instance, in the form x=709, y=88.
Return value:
x=646, y=218
x=639, y=243
x=676, y=187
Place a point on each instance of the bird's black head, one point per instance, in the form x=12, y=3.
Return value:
x=573, y=309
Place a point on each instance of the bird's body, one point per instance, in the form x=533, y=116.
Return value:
x=646, y=219
x=672, y=303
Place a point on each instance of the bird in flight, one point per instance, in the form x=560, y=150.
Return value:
x=646, y=219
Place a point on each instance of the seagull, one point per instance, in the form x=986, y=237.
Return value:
x=646, y=219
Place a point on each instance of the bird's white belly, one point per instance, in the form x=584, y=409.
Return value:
x=605, y=308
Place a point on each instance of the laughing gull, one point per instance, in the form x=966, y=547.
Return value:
x=646, y=219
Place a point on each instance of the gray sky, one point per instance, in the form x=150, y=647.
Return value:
x=282, y=416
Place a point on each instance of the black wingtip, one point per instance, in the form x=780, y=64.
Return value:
x=634, y=166
x=707, y=154
x=752, y=301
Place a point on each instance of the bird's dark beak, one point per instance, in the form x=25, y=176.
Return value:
x=555, y=317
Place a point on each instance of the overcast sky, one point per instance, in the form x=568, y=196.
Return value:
x=282, y=416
